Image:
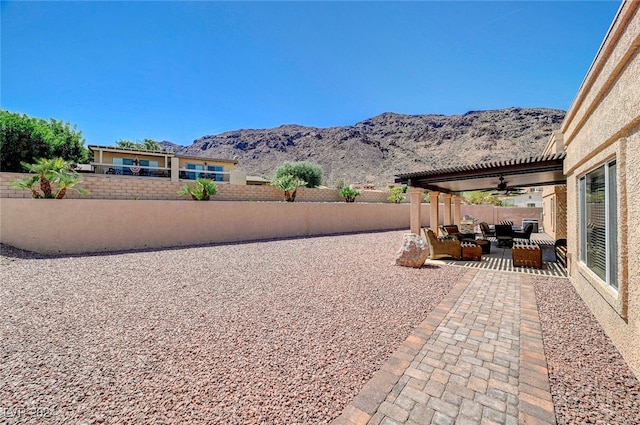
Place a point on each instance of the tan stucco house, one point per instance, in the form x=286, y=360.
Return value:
x=152, y=163
x=601, y=136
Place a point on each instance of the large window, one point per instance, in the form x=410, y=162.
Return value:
x=599, y=223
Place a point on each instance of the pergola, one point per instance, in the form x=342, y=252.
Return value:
x=527, y=172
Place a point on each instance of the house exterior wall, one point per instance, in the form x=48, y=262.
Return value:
x=603, y=124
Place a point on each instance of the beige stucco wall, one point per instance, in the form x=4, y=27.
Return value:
x=67, y=226
x=604, y=123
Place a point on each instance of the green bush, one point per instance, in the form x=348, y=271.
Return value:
x=201, y=190
x=27, y=139
x=289, y=184
x=305, y=171
x=397, y=194
x=349, y=194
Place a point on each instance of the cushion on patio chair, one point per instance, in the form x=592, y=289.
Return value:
x=443, y=247
x=486, y=230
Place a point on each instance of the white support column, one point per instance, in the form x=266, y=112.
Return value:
x=447, y=208
x=415, y=196
x=434, y=217
x=457, y=217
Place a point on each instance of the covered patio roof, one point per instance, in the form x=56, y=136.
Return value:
x=534, y=171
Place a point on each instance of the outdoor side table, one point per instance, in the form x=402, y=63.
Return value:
x=471, y=251
x=526, y=255
x=485, y=245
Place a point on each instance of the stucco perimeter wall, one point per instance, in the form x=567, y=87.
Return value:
x=71, y=226
x=146, y=188
x=604, y=124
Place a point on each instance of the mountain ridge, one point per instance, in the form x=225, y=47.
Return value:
x=373, y=150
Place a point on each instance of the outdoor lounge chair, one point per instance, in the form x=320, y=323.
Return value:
x=486, y=231
x=443, y=247
x=525, y=234
x=451, y=230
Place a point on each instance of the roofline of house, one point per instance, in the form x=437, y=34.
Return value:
x=156, y=152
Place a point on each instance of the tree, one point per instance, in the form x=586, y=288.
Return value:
x=148, y=144
x=25, y=139
x=151, y=145
x=305, y=171
x=202, y=189
x=50, y=172
x=289, y=184
x=128, y=144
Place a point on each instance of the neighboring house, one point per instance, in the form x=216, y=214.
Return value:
x=601, y=136
x=528, y=200
x=148, y=163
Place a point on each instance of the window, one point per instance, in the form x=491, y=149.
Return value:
x=218, y=176
x=599, y=222
x=193, y=176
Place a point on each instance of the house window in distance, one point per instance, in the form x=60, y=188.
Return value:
x=599, y=223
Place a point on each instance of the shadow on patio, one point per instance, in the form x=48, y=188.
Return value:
x=500, y=259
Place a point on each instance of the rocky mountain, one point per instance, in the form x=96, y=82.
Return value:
x=374, y=150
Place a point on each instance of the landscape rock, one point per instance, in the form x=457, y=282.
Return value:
x=414, y=251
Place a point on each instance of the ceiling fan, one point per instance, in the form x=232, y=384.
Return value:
x=504, y=189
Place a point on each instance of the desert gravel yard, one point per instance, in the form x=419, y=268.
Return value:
x=276, y=332
x=273, y=332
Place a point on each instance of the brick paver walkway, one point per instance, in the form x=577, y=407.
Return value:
x=478, y=358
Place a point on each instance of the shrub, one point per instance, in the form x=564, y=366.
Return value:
x=308, y=172
x=27, y=139
x=201, y=190
x=50, y=173
x=289, y=184
x=397, y=194
x=349, y=194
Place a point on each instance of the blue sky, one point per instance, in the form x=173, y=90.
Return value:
x=178, y=70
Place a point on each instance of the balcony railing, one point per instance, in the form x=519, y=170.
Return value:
x=150, y=171
x=191, y=174
x=131, y=170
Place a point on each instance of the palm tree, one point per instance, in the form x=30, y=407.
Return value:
x=202, y=190
x=151, y=145
x=45, y=169
x=124, y=143
x=48, y=172
x=289, y=184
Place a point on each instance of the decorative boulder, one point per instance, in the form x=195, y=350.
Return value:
x=414, y=251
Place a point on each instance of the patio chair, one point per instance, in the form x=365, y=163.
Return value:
x=486, y=231
x=451, y=230
x=504, y=235
x=442, y=247
x=525, y=234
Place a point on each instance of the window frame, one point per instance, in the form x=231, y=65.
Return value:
x=609, y=171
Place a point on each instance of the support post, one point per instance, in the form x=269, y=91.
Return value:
x=415, y=196
x=434, y=217
x=447, y=208
x=457, y=216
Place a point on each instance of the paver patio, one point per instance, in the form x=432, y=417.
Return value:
x=477, y=358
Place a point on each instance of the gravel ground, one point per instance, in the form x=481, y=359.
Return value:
x=276, y=332
x=590, y=381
